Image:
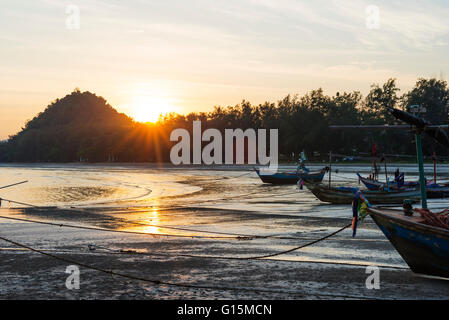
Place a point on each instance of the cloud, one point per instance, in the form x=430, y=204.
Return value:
x=416, y=25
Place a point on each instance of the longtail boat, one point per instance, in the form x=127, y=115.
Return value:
x=345, y=195
x=433, y=190
x=373, y=184
x=423, y=242
x=423, y=247
x=291, y=177
x=437, y=191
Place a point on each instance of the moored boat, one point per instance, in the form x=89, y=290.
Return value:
x=423, y=247
x=290, y=177
x=433, y=190
x=437, y=191
x=345, y=195
x=422, y=241
x=373, y=184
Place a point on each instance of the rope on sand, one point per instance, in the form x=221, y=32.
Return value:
x=22, y=203
x=227, y=178
x=187, y=236
x=232, y=236
x=120, y=231
x=93, y=247
x=299, y=247
x=174, y=284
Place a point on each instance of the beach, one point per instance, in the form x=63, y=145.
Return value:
x=148, y=232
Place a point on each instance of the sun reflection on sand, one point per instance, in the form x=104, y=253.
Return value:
x=145, y=222
x=153, y=219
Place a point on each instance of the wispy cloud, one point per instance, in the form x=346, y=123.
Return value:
x=216, y=52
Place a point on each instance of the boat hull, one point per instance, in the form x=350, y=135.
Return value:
x=424, y=248
x=346, y=195
x=372, y=184
x=279, y=178
x=290, y=177
x=432, y=192
x=437, y=192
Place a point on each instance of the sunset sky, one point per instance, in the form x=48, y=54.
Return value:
x=147, y=57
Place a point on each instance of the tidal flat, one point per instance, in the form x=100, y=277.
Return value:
x=149, y=232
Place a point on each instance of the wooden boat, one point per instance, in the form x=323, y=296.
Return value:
x=424, y=248
x=291, y=177
x=345, y=195
x=433, y=190
x=423, y=243
x=373, y=184
x=437, y=191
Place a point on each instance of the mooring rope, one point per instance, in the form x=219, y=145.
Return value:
x=344, y=178
x=234, y=177
x=223, y=177
x=174, y=284
x=13, y=184
x=23, y=203
x=224, y=233
x=93, y=247
x=108, y=251
x=187, y=236
x=236, y=236
x=232, y=236
x=119, y=231
x=299, y=247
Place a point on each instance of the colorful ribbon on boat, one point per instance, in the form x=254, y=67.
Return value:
x=359, y=210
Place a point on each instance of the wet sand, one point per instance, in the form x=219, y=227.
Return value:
x=221, y=202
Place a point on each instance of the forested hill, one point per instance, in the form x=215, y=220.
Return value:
x=84, y=127
x=80, y=126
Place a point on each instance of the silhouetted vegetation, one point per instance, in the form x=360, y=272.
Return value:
x=84, y=127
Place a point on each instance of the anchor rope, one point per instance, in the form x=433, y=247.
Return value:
x=229, y=235
x=226, y=235
x=168, y=283
x=108, y=251
x=132, y=252
x=120, y=231
x=188, y=236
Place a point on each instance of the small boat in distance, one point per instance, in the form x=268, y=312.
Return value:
x=291, y=177
x=373, y=184
x=433, y=190
x=437, y=191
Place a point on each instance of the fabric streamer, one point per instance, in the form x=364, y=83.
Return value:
x=359, y=210
x=355, y=213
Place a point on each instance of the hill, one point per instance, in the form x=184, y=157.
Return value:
x=79, y=127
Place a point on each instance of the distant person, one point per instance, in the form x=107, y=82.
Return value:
x=376, y=171
x=396, y=174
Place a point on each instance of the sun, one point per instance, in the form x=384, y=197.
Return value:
x=149, y=108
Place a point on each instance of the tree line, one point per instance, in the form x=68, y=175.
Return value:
x=84, y=127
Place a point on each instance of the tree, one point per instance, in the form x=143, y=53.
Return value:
x=433, y=95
